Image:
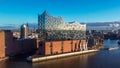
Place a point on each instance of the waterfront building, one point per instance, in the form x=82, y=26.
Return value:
x=24, y=31
x=11, y=47
x=57, y=36
x=25, y=46
x=60, y=47
x=6, y=43
x=55, y=28
x=95, y=39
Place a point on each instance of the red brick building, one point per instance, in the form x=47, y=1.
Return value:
x=2, y=44
x=59, y=47
x=25, y=45
x=6, y=43
x=11, y=47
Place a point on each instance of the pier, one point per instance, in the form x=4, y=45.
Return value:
x=39, y=59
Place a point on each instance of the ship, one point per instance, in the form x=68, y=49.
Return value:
x=111, y=48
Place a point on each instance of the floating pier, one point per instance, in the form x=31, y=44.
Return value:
x=44, y=58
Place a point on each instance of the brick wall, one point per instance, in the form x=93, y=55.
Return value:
x=67, y=46
x=57, y=47
x=9, y=43
x=2, y=44
x=47, y=48
x=25, y=46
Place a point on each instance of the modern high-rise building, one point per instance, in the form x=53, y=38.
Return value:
x=55, y=28
x=24, y=31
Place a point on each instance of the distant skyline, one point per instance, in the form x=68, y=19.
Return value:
x=23, y=11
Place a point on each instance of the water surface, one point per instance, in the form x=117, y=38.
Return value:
x=101, y=59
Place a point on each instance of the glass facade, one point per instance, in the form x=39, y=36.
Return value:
x=55, y=28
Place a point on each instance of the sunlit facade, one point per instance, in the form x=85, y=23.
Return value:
x=55, y=28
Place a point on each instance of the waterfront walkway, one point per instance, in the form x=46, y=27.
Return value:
x=37, y=59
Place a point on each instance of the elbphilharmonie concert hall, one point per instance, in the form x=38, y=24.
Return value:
x=57, y=36
x=55, y=28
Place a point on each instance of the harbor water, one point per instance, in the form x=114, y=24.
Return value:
x=101, y=59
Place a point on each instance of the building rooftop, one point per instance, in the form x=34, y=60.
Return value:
x=5, y=30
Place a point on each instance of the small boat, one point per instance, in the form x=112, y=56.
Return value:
x=111, y=48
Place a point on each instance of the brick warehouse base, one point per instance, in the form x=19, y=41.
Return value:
x=58, y=47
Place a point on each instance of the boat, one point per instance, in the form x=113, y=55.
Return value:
x=111, y=48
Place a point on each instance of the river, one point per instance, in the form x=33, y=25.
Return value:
x=101, y=59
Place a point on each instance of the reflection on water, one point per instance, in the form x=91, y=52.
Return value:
x=16, y=63
x=101, y=59
x=69, y=62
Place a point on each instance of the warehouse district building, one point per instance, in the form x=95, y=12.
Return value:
x=57, y=36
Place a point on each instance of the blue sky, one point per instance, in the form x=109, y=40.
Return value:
x=22, y=11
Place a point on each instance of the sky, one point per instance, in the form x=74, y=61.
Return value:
x=23, y=11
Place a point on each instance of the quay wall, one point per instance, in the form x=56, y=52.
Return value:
x=45, y=58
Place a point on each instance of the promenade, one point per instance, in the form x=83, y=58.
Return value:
x=44, y=58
